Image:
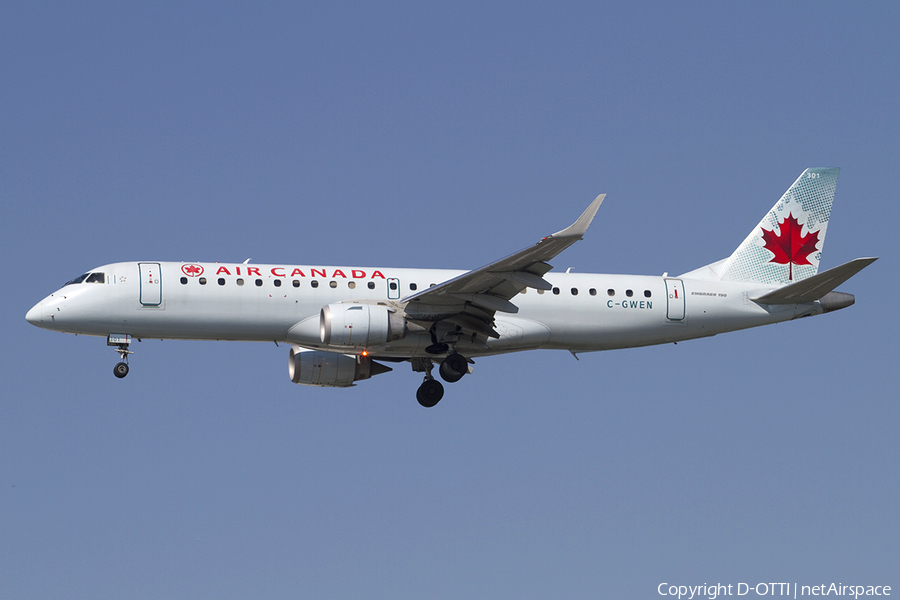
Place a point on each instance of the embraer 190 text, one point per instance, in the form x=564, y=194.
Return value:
x=345, y=322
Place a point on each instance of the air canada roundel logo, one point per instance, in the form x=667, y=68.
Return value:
x=192, y=270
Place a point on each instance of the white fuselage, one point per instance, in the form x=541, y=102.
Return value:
x=282, y=303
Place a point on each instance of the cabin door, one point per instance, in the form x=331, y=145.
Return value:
x=675, y=298
x=151, y=284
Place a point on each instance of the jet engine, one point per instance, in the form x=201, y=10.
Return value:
x=330, y=369
x=359, y=325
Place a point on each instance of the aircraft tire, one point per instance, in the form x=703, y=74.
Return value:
x=453, y=368
x=430, y=393
x=120, y=370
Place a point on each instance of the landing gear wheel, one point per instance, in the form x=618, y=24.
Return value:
x=453, y=368
x=430, y=393
x=120, y=341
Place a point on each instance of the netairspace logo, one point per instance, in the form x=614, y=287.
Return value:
x=713, y=591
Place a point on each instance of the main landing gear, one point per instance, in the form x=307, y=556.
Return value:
x=452, y=369
x=430, y=392
x=121, y=343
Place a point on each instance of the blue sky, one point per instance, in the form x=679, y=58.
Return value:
x=410, y=135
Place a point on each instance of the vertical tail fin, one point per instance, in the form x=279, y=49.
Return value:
x=787, y=244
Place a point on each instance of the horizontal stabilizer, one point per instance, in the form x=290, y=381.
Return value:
x=815, y=287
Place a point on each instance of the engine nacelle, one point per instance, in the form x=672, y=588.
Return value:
x=330, y=369
x=359, y=325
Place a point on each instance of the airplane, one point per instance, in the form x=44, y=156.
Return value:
x=344, y=322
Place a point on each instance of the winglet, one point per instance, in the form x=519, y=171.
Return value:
x=580, y=226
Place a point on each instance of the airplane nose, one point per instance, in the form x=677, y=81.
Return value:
x=33, y=316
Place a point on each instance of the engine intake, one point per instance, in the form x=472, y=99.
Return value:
x=330, y=369
x=359, y=325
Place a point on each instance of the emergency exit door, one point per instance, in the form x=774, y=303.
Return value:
x=393, y=288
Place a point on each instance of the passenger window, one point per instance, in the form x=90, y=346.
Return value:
x=96, y=278
x=629, y=293
x=647, y=293
x=332, y=284
x=593, y=291
x=574, y=291
x=184, y=281
x=314, y=283
x=240, y=282
x=277, y=283
x=393, y=285
x=610, y=292
x=221, y=281
x=556, y=291
x=203, y=281
x=371, y=285
x=296, y=283
x=540, y=291
x=351, y=285
x=259, y=283
x=413, y=287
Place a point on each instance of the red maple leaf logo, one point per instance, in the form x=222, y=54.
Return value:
x=192, y=270
x=791, y=247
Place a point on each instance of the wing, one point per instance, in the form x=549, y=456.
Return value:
x=471, y=299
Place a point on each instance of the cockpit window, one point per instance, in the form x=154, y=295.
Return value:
x=77, y=279
x=88, y=278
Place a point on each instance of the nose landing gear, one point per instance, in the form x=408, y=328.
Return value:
x=120, y=370
x=121, y=343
